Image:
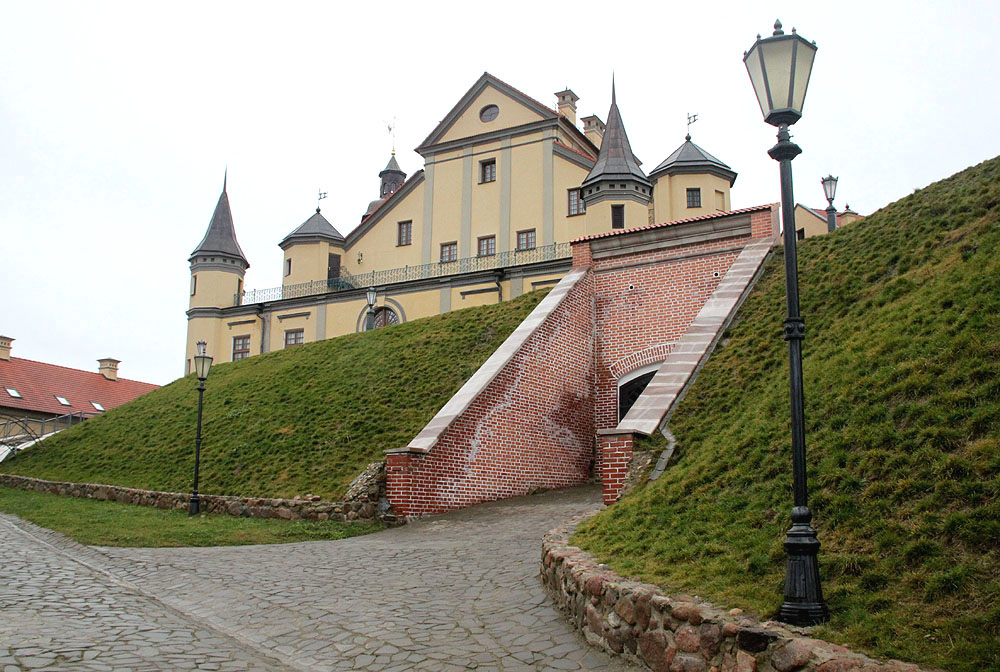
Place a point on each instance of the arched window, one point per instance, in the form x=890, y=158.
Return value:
x=385, y=317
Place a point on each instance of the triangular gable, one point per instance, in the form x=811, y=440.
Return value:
x=463, y=119
x=811, y=212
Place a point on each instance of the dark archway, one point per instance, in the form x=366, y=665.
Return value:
x=630, y=391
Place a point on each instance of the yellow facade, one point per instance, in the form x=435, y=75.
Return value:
x=496, y=183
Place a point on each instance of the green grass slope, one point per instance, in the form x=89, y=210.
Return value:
x=296, y=421
x=902, y=392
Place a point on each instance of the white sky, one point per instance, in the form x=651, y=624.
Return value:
x=117, y=121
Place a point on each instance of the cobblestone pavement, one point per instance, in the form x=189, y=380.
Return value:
x=452, y=592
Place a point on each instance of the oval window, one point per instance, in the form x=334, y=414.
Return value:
x=489, y=113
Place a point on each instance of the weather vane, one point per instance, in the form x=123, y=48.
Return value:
x=322, y=195
x=392, y=132
x=691, y=119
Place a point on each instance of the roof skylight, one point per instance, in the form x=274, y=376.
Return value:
x=12, y=392
x=62, y=400
x=97, y=405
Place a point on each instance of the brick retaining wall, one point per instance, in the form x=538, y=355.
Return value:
x=312, y=508
x=678, y=633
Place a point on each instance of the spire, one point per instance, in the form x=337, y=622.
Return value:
x=220, y=239
x=225, y=176
x=616, y=160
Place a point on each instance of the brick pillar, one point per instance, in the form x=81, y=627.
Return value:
x=399, y=482
x=615, y=449
x=582, y=255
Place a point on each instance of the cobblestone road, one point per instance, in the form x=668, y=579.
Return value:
x=452, y=592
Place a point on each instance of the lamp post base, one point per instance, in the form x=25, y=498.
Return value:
x=803, y=603
x=194, y=506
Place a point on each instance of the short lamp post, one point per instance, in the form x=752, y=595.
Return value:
x=830, y=189
x=202, y=365
x=370, y=318
x=779, y=68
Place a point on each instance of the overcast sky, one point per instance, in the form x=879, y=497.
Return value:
x=117, y=121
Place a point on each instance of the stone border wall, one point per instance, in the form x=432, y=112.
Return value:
x=677, y=633
x=308, y=508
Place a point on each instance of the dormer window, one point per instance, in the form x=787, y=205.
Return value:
x=62, y=400
x=97, y=406
x=14, y=393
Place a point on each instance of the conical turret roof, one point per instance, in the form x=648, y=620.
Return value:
x=690, y=158
x=220, y=239
x=313, y=229
x=392, y=167
x=615, y=160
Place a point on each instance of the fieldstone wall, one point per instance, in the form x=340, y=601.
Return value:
x=309, y=507
x=677, y=633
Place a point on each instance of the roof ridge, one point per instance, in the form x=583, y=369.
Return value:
x=711, y=215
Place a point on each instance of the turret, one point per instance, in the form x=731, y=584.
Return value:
x=218, y=264
x=690, y=183
x=217, y=269
x=392, y=178
x=616, y=192
x=312, y=252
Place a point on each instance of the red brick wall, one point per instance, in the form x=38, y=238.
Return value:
x=531, y=427
x=616, y=452
x=637, y=326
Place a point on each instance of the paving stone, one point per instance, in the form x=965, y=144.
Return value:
x=456, y=591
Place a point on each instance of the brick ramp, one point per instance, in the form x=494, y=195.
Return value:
x=524, y=421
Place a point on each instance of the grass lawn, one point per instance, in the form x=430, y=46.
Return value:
x=902, y=392
x=305, y=420
x=96, y=523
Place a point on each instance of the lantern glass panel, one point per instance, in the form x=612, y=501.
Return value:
x=756, y=71
x=830, y=187
x=804, y=55
x=777, y=57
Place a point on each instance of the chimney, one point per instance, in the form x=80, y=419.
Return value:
x=108, y=367
x=566, y=104
x=593, y=128
x=5, y=342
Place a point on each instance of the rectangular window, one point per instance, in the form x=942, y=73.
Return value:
x=14, y=393
x=294, y=337
x=487, y=246
x=97, y=406
x=449, y=252
x=404, y=233
x=332, y=266
x=241, y=347
x=576, y=206
x=288, y=267
x=526, y=240
x=487, y=171
x=694, y=198
x=62, y=400
x=617, y=216
x=194, y=284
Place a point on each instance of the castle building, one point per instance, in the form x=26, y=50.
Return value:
x=507, y=183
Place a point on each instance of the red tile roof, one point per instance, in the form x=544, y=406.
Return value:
x=38, y=383
x=714, y=215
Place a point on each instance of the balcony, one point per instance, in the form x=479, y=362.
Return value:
x=348, y=281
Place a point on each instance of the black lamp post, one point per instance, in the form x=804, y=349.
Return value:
x=830, y=189
x=370, y=318
x=202, y=365
x=779, y=68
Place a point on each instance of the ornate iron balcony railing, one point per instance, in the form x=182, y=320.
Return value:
x=348, y=281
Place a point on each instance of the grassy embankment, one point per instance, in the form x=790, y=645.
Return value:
x=292, y=422
x=902, y=391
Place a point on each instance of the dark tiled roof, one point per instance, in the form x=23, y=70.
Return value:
x=714, y=215
x=689, y=157
x=315, y=227
x=38, y=383
x=221, y=235
x=615, y=160
x=392, y=167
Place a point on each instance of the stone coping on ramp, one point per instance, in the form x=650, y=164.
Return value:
x=308, y=508
x=680, y=633
x=480, y=380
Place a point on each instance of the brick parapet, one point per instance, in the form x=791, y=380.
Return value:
x=680, y=633
x=309, y=508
